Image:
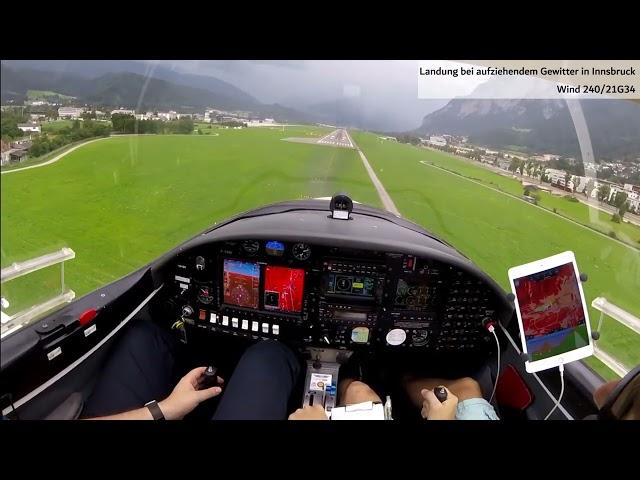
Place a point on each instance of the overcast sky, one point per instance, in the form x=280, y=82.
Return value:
x=382, y=94
x=387, y=89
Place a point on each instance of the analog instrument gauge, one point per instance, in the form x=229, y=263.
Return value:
x=301, y=251
x=251, y=246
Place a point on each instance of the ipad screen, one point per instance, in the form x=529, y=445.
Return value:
x=552, y=312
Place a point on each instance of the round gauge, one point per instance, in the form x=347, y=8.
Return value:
x=251, y=246
x=301, y=251
x=343, y=284
x=204, y=295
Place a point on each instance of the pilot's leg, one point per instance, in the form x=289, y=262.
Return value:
x=351, y=392
x=464, y=388
x=471, y=403
x=261, y=384
x=142, y=366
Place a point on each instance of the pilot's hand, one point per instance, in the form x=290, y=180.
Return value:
x=186, y=396
x=316, y=412
x=432, y=409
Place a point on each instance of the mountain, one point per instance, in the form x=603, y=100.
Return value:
x=15, y=83
x=129, y=89
x=541, y=125
x=90, y=69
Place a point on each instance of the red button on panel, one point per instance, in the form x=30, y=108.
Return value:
x=203, y=315
x=87, y=316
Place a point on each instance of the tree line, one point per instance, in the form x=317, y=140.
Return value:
x=43, y=144
x=9, y=121
x=123, y=123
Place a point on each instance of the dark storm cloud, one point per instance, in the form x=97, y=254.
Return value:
x=386, y=89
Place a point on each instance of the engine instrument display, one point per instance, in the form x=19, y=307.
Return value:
x=283, y=289
x=411, y=294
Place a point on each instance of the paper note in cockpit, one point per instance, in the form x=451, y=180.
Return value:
x=359, y=411
x=319, y=382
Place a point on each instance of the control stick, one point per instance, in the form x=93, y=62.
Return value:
x=440, y=393
x=209, y=378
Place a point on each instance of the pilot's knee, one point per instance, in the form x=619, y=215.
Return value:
x=272, y=351
x=271, y=347
x=358, y=392
x=467, y=388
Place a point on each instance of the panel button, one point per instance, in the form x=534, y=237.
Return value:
x=234, y=322
x=245, y=324
x=202, y=315
x=225, y=321
x=275, y=329
x=265, y=328
x=254, y=326
x=213, y=318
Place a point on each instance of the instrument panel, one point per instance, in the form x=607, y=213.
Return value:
x=332, y=297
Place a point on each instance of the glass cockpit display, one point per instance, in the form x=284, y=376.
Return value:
x=283, y=288
x=241, y=283
x=412, y=294
x=355, y=285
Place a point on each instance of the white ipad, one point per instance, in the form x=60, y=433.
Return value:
x=552, y=312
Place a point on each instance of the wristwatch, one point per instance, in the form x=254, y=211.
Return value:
x=154, y=408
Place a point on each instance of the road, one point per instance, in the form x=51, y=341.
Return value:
x=382, y=193
x=54, y=159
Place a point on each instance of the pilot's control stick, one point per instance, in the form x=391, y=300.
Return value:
x=209, y=378
x=440, y=393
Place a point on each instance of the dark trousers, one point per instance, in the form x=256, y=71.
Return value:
x=147, y=363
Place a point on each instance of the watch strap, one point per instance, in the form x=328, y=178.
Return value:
x=155, y=410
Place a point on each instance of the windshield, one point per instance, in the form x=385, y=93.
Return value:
x=106, y=165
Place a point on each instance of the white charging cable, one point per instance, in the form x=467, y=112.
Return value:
x=495, y=384
x=561, y=368
x=540, y=382
x=490, y=326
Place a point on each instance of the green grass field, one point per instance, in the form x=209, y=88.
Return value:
x=123, y=201
x=43, y=94
x=498, y=231
x=41, y=159
x=305, y=131
x=56, y=125
x=579, y=212
x=207, y=128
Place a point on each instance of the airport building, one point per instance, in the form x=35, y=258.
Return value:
x=70, y=112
